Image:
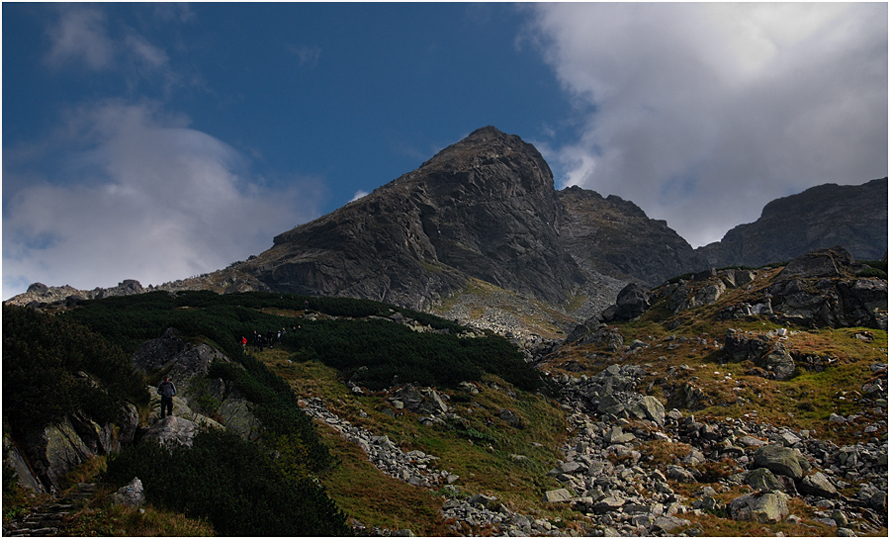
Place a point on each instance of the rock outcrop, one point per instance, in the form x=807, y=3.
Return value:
x=50, y=452
x=199, y=396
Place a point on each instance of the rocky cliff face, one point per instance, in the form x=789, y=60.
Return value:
x=854, y=216
x=615, y=237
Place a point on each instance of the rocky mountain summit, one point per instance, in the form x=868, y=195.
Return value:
x=483, y=208
x=854, y=216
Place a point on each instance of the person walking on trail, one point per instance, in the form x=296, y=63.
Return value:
x=166, y=390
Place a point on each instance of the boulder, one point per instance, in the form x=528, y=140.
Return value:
x=818, y=485
x=738, y=347
x=818, y=263
x=763, y=480
x=632, y=302
x=778, y=362
x=648, y=407
x=172, y=430
x=781, y=460
x=669, y=524
x=609, y=504
x=131, y=495
x=560, y=495
x=768, y=507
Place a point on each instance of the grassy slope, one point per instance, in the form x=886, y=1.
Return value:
x=485, y=460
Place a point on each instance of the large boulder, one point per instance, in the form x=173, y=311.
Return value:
x=778, y=362
x=172, y=430
x=632, y=302
x=818, y=485
x=131, y=495
x=781, y=460
x=739, y=347
x=762, y=480
x=818, y=263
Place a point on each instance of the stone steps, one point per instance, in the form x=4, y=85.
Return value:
x=49, y=520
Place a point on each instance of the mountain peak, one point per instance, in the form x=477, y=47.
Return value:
x=490, y=146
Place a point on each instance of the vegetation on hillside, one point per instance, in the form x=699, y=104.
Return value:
x=53, y=366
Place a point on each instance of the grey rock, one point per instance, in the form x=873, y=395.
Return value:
x=779, y=362
x=131, y=495
x=609, y=504
x=781, y=460
x=763, y=480
x=768, y=507
x=632, y=302
x=558, y=496
x=818, y=485
x=670, y=524
x=172, y=430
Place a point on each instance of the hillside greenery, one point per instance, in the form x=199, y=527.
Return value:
x=237, y=487
x=368, y=351
x=52, y=366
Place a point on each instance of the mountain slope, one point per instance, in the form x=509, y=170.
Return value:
x=854, y=216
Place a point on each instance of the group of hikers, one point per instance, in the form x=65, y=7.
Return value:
x=167, y=390
x=261, y=341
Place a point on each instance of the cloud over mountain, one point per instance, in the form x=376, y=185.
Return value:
x=702, y=113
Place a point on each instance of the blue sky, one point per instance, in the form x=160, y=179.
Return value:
x=160, y=141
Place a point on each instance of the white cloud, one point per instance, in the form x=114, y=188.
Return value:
x=80, y=36
x=703, y=113
x=358, y=194
x=146, y=198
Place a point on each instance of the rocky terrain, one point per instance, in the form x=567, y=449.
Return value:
x=854, y=216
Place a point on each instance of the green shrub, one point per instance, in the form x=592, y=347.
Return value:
x=276, y=408
x=234, y=484
x=371, y=353
x=45, y=359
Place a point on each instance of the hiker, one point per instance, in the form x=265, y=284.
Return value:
x=166, y=390
x=244, y=343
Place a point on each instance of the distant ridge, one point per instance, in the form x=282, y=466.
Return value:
x=854, y=216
